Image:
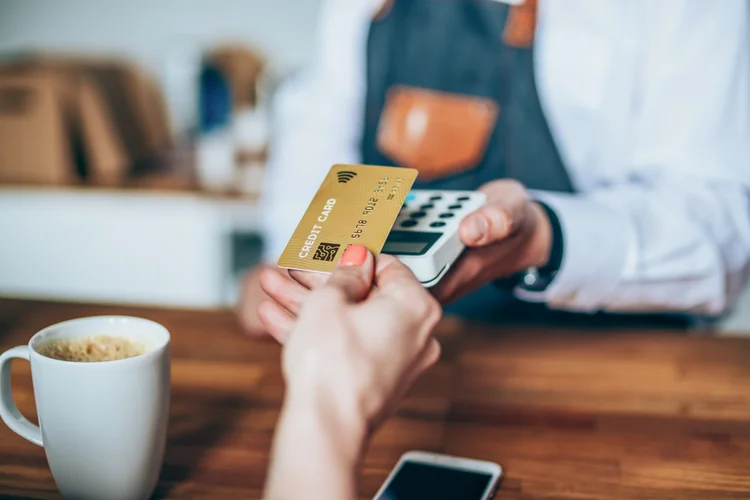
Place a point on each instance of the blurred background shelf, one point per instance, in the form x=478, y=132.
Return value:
x=100, y=194
x=158, y=246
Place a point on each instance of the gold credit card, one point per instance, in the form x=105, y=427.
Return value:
x=355, y=204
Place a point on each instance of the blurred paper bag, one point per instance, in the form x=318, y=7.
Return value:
x=113, y=120
x=34, y=147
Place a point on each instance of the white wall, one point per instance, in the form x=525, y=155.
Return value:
x=155, y=32
x=146, y=29
x=93, y=245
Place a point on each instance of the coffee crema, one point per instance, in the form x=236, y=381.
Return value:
x=91, y=349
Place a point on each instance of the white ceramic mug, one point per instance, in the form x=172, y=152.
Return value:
x=103, y=424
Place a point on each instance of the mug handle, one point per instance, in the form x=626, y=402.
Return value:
x=8, y=409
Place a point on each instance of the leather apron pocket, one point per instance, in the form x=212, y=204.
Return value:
x=440, y=134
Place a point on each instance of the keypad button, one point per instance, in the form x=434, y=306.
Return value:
x=427, y=206
x=409, y=223
x=410, y=197
x=436, y=197
x=418, y=215
x=455, y=207
x=446, y=215
x=463, y=198
x=437, y=224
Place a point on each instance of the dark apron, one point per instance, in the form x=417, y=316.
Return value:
x=449, y=56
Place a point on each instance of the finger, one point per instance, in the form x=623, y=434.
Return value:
x=250, y=298
x=401, y=296
x=283, y=289
x=354, y=275
x=505, y=210
x=309, y=279
x=277, y=320
x=462, y=276
x=473, y=269
x=393, y=274
x=502, y=189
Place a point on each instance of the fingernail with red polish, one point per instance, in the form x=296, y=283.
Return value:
x=355, y=255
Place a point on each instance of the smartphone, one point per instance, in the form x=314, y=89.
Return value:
x=420, y=475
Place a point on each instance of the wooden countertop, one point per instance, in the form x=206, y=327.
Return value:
x=568, y=414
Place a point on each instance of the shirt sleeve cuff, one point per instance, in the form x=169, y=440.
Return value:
x=599, y=243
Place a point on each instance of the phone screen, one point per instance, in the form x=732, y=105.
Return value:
x=416, y=481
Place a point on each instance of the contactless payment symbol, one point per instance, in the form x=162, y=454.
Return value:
x=345, y=176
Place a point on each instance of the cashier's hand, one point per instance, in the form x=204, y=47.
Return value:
x=365, y=336
x=509, y=234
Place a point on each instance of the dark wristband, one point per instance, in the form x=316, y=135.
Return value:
x=556, y=248
x=538, y=279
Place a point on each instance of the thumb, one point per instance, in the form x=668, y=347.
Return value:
x=354, y=275
x=504, y=212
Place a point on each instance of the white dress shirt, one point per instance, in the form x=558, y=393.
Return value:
x=649, y=104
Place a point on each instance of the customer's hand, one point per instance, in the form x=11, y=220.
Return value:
x=284, y=294
x=352, y=349
x=363, y=337
x=250, y=297
x=509, y=234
